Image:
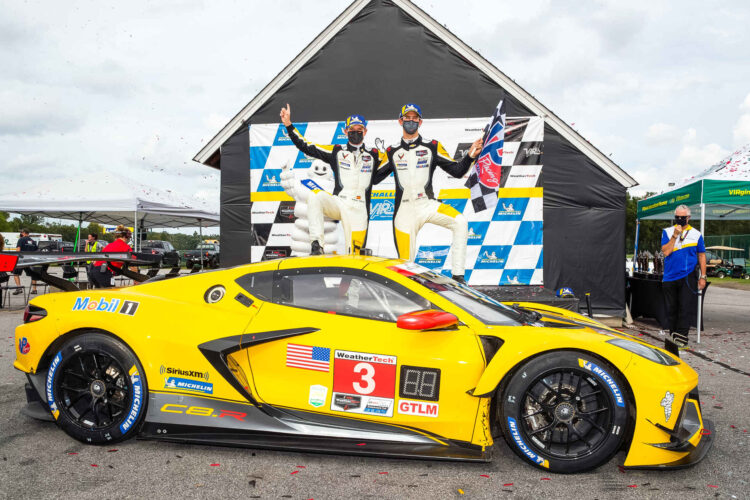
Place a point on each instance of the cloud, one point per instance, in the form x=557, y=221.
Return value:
x=741, y=132
x=662, y=133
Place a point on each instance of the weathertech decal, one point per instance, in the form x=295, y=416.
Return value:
x=364, y=383
x=513, y=427
x=606, y=377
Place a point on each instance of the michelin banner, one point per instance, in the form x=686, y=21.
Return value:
x=505, y=243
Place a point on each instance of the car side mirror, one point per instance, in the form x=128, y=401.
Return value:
x=428, y=319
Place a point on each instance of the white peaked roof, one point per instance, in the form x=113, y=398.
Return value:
x=451, y=40
x=107, y=198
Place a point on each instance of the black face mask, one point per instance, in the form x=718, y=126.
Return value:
x=355, y=136
x=410, y=127
x=680, y=220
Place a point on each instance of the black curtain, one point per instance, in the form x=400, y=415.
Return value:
x=235, y=199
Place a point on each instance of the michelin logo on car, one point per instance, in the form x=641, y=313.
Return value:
x=188, y=385
x=513, y=427
x=135, y=407
x=606, y=377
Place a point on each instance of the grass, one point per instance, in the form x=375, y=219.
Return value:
x=735, y=283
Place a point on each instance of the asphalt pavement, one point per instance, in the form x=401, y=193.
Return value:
x=37, y=460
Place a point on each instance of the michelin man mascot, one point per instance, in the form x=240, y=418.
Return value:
x=318, y=176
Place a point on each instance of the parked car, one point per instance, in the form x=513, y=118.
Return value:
x=169, y=256
x=56, y=246
x=209, y=252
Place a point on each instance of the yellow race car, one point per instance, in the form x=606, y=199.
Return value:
x=356, y=355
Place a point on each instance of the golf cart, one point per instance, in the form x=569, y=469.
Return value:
x=719, y=266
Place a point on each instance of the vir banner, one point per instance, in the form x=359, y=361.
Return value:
x=505, y=243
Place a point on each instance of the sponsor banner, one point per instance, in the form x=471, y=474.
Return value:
x=126, y=307
x=519, y=182
x=363, y=405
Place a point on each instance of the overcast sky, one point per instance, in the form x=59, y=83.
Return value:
x=138, y=87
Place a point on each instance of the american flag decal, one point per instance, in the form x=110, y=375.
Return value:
x=308, y=357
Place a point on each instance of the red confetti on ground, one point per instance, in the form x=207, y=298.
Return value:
x=72, y=453
x=733, y=427
x=382, y=473
x=113, y=449
x=295, y=472
x=361, y=444
x=632, y=486
x=215, y=465
x=301, y=467
x=622, y=469
x=712, y=486
x=545, y=479
x=94, y=465
x=508, y=484
x=483, y=475
x=705, y=432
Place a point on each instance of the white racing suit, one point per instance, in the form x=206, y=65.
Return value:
x=414, y=165
x=354, y=172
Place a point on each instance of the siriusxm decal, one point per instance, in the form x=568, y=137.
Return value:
x=516, y=436
x=259, y=156
x=510, y=208
x=135, y=406
x=51, y=383
x=282, y=136
x=606, y=377
x=432, y=257
x=188, y=385
x=529, y=233
x=339, y=136
x=492, y=257
x=477, y=232
x=270, y=180
x=458, y=203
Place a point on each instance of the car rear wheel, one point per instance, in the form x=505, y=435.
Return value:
x=96, y=390
x=720, y=275
x=564, y=411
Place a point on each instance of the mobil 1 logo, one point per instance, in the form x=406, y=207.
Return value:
x=129, y=307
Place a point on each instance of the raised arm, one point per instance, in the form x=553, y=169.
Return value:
x=457, y=168
x=319, y=151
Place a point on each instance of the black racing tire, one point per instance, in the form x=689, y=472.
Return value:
x=565, y=411
x=96, y=389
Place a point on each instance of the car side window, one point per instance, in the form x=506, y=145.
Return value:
x=347, y=294
x=259, y=285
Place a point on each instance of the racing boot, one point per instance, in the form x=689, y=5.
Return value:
x=315, y=248
x=459, y=278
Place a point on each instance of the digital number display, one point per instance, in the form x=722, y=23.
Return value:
x=420, y=383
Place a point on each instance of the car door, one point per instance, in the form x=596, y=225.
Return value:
x=339, y=352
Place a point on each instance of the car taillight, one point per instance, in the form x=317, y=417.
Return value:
x=206, y=254
x=33, y=313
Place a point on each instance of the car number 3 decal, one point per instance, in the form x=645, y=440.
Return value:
x=364, y=383
x=367, y=375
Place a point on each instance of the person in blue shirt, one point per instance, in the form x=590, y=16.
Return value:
x=684, y=250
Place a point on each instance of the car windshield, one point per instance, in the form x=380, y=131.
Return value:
x=484, y=308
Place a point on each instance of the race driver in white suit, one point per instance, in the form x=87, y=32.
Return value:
x=355, y=170
x=413, y=163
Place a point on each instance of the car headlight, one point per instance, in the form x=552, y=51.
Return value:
x=645, y=351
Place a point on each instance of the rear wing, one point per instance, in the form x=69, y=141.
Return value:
x=38, y=262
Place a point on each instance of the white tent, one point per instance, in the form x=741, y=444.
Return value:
x=109, y=199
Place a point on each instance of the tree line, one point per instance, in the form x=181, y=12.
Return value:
x=36, y=224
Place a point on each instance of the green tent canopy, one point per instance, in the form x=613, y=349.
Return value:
x=720, y=193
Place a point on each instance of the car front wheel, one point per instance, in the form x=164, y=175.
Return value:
x=565, y=411
x=96, y=390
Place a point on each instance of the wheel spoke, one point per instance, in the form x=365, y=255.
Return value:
x=83, y=368
x=593, y=412
x=545, y=428
x=545, y=384
x=76, y=400
x=592, y=422
x=74, y=389
x=74, y=374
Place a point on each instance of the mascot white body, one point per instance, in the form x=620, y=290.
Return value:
x=319, y=176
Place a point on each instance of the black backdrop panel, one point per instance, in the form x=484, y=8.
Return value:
x=584, y=226
x=235, y=199
x=380, y=61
